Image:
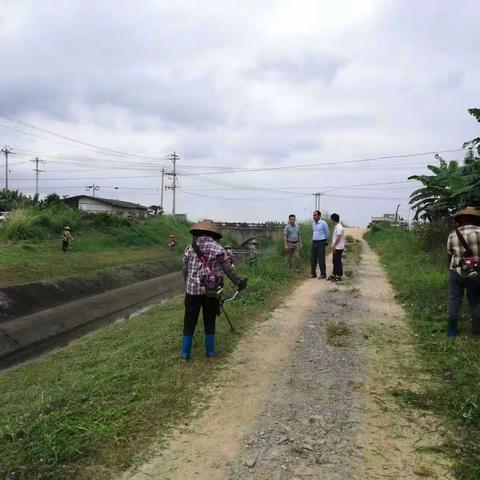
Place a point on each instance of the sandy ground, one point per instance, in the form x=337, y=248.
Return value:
x=308, y=395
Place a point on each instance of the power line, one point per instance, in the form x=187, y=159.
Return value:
x=236, y=169
x=75, y=140
x=343, y=162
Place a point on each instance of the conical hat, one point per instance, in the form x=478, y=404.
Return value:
x=471, y=211
x=206, y=226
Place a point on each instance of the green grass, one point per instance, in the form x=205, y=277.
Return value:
x=337, y=334
x=111, y=244
x=420, y=279
x=102, y=400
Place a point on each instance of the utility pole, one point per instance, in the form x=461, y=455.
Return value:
x=396, y=212
x=94, y=188
x=6, y=151
x=318, y=196
x=173, y=157
x=37, y=171
x=163, y=188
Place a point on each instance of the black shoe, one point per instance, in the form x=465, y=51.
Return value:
x=323, y=277
x=330, y=278
x=313, y=276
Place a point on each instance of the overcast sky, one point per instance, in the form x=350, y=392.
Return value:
x=245, y=84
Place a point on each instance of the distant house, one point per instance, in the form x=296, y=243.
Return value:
x=90, y=204
x=387, y=218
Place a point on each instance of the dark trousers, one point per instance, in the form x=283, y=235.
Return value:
x=193, y=304
x=318, y=256
x=337, y=263
x=65, y=245
x=458, y=286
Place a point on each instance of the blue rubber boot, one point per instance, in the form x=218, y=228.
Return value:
x=186, y=347
x=452, y=333
x=210, y=346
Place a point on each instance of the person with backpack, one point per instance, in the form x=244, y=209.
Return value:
x=204, y=261
x=463, y=248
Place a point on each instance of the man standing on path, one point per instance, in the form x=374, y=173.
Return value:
x=293, y=242
x=203, y=261
x=463, y=248
x=319, y=242
x=338, y=246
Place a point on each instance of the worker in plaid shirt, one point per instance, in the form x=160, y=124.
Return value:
x=206, y=236
x=468, y=221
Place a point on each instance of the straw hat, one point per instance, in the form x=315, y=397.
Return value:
x=66, y=228
x=470, y=211
x=206, y=226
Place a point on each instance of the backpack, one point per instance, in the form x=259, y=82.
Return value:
x=212, y=281
x=469, y=264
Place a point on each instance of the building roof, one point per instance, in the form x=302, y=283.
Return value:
x=111, y=201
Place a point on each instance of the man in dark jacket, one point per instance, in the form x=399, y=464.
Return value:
x=461, y=277
x=206, y=236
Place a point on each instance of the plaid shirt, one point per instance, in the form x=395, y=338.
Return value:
x=471, y=234
x=194, y=271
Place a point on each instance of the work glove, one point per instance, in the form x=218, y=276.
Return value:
x=242, y=284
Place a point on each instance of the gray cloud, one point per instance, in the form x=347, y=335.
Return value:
x=241, y=84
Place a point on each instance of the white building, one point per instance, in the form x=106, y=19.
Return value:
x=90, y=204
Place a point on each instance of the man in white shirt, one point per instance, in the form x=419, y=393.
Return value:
x=338, y=246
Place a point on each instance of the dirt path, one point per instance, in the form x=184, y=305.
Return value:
x=308, y=395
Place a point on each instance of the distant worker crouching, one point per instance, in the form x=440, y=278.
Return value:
x=172, y=242
x=204, y=260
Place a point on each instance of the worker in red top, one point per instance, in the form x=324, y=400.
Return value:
x=172, y=242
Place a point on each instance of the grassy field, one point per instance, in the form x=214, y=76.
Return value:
x=96, y=247
x=419, y=276
x=90, y=407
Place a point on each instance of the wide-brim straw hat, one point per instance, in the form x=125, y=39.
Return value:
x=207, y=225
x=66, y=228
x=470, y=211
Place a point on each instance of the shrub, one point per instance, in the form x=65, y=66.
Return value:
x=432, y=236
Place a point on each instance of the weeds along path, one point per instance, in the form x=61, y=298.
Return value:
x=212, y=441
x=308, y=395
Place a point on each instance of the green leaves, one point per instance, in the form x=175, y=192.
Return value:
x=452, y=186
x=475, y=112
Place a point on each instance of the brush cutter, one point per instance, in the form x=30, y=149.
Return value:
x=221, y=302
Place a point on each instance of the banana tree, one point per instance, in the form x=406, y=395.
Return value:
x=451, y=186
